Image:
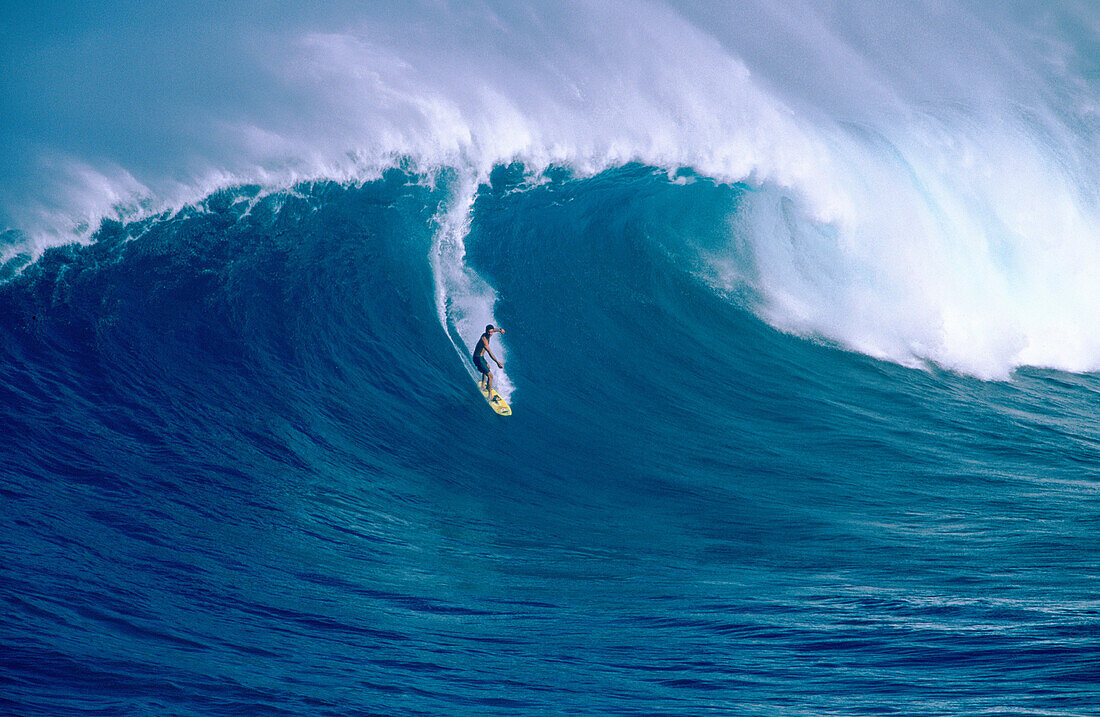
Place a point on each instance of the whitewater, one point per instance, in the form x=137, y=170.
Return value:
x=803, y=341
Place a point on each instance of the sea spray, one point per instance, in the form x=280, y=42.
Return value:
x=464, y=300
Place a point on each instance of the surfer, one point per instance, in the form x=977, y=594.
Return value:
x=479, y=358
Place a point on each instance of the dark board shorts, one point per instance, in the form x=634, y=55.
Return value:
x=481, y=363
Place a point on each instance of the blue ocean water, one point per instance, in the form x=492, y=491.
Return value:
x=249, y=475
x=801, y=340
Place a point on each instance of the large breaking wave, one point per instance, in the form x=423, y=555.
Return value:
x=923, y=184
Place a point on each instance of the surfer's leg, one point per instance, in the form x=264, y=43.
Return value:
x=478, y=361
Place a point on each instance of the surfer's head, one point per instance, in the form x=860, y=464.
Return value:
x=489, y=328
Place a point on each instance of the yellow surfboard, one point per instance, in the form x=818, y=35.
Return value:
x=496, y=401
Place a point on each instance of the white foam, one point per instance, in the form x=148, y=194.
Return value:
x=972, y=254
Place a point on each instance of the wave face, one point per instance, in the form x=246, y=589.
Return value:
x=801, y=343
